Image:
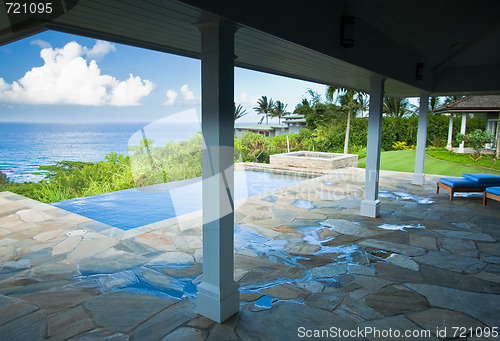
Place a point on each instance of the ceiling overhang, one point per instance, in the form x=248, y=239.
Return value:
x=301, y=39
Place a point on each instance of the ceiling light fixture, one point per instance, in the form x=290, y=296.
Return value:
x=419, y=75
x=347, y=31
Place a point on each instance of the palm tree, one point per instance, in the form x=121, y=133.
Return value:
x=350, y=101
x=304, y=108
x=398, y=107
x=264, y=107
x=279, y=110
x=434, y=102
x=238, y=111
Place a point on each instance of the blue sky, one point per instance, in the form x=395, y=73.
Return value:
x=56, y=77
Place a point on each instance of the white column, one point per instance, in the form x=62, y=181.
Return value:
x=370, y=205
x=450, y=133
x=418, y=176
x=463, y=129
x=497, y=154
x=218, y=296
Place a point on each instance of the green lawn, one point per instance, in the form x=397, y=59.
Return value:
x=404, y=161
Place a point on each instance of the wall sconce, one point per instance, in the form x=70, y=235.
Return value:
x=347, y=31
x=419, y=75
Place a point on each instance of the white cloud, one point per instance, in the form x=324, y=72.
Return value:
x=188, y=97
x=171, y=97
x=100, y=49
x=42, y=43
x=127, y=93
x=244, y=97
x=247, y=101
x=188, y=94
x=67, y=78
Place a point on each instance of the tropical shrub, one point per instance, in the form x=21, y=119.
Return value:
x=476, y=139
x=4, y=179
x=151, y=164
x=402, y=146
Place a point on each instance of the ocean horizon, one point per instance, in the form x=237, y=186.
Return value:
x=26, y=146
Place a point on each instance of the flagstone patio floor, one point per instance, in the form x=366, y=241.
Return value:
x=307, y=263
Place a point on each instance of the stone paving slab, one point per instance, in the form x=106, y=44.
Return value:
x=32, y=326
x=68, y=323
x=451, y=262
x=483, y=307
x=122, y=311
x=309, y=261
x=400, y=323
x=439, y=319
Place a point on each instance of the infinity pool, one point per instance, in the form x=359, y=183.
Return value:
x=136, y=207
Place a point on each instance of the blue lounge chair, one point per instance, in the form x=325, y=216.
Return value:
x=473, y=182
x=453, y=185
x=491, y=193
x=488, y=180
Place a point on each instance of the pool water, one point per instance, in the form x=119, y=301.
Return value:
x=136, y=207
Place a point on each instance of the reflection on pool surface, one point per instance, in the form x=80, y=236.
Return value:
x=135, y=207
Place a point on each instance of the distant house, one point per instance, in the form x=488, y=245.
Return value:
x=295, y=122
x=292, y=124
x=488, y=105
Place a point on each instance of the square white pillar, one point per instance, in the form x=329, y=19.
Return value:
x=450, y=132
x=423, y=113
x=463, y=129
x=370, y=205
x=218, y=295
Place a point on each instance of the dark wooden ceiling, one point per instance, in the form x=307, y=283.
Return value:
x=457, y=40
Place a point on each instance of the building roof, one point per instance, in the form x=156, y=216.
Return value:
x=297, y=120
x=261, y=127
x=293, y=116
x=471, y=104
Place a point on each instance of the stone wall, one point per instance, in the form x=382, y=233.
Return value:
x=314, y=160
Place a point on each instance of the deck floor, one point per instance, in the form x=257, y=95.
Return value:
x=305, y=260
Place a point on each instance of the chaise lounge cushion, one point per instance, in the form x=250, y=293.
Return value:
x=484, y=178
x=461, y=183
x=493, y=190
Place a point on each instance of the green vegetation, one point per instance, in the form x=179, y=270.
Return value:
x=350, y=102
x=396, y=133
x=151, y=165
x=147, y=165
x=264, y=107
x=488, y=161
x=477, y=139
x=255, y=147
x=4, y=179
x=404, y=161
x=402, y=146
x=238, y=111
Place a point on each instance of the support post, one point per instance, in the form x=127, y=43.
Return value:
x=423, y=113
x=449, y=145
x=497, y=154
x=463, y=129
x=218, y=295
x=370, y=205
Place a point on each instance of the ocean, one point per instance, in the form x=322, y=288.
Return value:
x=25, y=146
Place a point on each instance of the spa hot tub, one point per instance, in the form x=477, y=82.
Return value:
x=314, y=160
